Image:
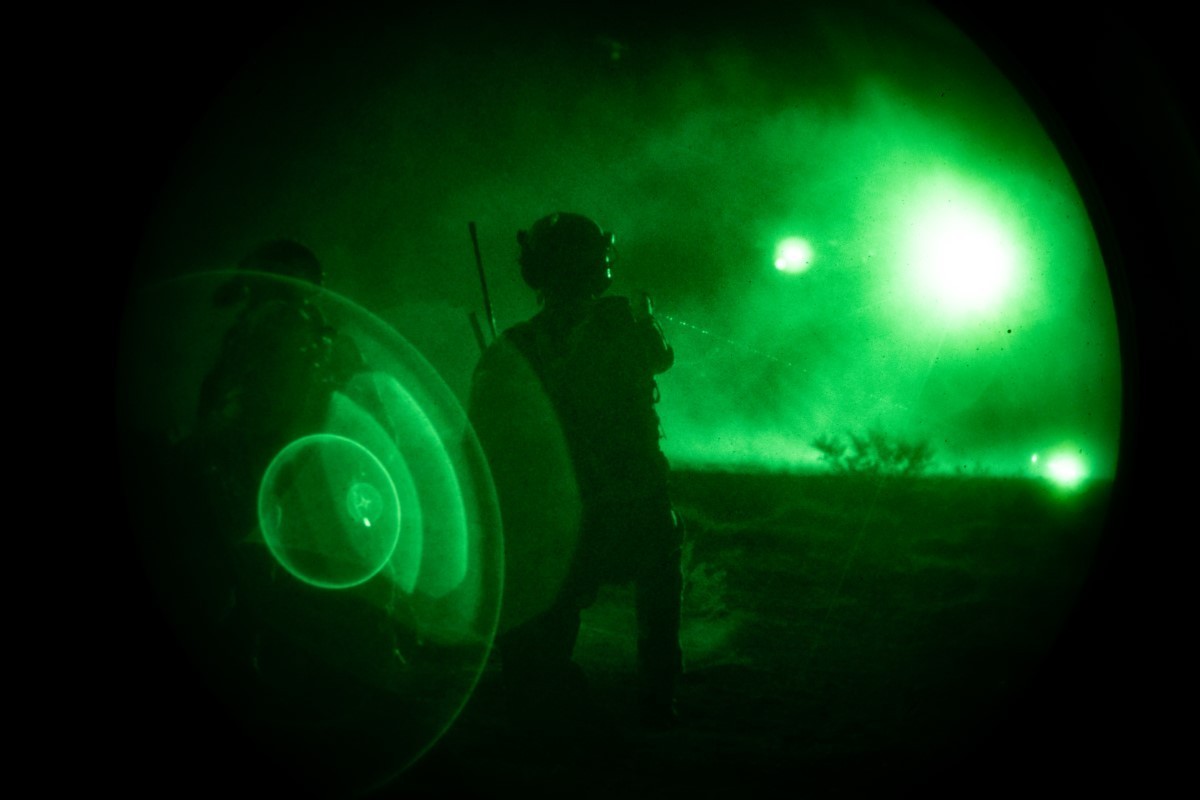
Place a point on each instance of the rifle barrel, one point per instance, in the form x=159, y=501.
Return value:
x=487, y=300
x=478, y=331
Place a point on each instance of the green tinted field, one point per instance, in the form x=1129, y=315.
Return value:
x=839, y=633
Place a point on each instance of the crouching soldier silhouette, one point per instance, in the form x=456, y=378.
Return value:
x=564, y=405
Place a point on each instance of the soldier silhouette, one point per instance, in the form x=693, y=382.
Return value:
x=564, y=405
x=279, y=366
x=279, y=362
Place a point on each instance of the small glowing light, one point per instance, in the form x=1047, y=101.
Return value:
x=1033, y=459
x=1067, y=470
x=793, y=255
x=364, y=502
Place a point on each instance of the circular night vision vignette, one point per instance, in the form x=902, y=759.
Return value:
x=796, y=257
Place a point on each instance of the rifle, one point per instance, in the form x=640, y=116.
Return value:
x=487, y=300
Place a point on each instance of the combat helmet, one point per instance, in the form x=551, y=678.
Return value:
x=565, y=253
x=283, y=257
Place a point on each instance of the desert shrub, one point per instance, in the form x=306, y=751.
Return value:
x=874, y=452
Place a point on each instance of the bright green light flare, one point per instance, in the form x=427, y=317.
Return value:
x=438, y=501
x=962, y=256
x=329, y=512
x=1066, y=469
x=793, y=255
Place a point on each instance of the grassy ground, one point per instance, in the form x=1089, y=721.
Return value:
x=841, y=636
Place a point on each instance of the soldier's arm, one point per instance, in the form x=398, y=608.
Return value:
x=636, y=332
x=659, y=353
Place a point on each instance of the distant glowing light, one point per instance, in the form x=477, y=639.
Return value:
x=962, y=256
x=793, y=255
x=1066, y=470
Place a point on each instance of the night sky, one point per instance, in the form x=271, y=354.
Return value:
x=955, y=290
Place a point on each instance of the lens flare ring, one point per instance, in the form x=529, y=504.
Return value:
x=312, y=502
x=319, y=540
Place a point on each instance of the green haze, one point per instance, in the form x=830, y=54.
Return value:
x=949, y=287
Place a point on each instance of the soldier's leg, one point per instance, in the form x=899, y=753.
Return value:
x=541, y=680
x=659, y=590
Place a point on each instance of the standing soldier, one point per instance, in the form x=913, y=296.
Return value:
x=564, y=405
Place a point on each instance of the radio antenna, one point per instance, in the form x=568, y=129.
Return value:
x=487, y=300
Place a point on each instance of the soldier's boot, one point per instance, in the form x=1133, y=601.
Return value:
x=658, y=676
